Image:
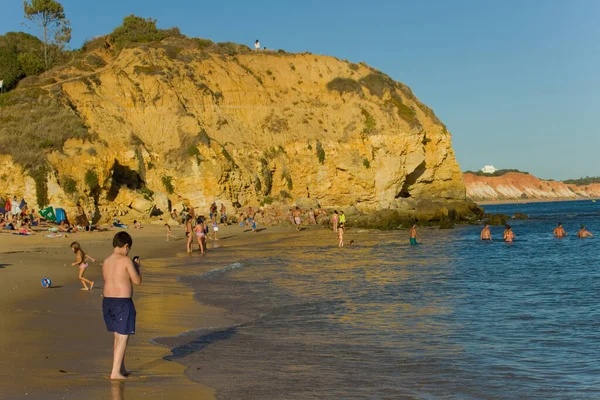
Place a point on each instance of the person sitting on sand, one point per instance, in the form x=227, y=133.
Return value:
x=413, y=235
x=64, y=227
x=559, y=231
x=583, y=233
x=509, y=235
x=137, y=224
x=485, y=233
x=80, y=261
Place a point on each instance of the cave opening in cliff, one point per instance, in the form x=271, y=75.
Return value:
x=411, y=179
x=123, y=176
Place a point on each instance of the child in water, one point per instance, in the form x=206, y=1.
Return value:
x=81, y=256
x=341, y=235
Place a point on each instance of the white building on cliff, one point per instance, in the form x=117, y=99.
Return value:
x=488, y=169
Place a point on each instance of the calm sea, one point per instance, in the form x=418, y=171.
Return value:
x=451, y=318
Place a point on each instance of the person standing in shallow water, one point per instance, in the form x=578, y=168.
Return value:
x=486, y=234
x=509, y=235
x=120, y=274
x=559, y=231
x=583, y=233
x=413, y=235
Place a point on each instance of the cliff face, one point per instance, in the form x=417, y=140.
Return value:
x=517, y=186
x=243, y=129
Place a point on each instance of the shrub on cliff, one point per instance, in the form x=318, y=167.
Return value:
x=344, y=85
x=139, y=30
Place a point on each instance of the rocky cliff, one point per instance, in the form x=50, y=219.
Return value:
x=187, y=122
x=519, y=186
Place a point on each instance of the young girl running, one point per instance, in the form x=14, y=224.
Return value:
x=81, y=257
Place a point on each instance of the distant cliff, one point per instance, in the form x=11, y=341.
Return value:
x=520, y=186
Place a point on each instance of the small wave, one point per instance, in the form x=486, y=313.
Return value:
x=213, y=273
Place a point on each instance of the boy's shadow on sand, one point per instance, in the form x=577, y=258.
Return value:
x=4, y=265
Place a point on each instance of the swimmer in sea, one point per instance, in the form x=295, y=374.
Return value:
x=509, y=235
x=485, y=233
x=583, y=233
x=413, y=234
x=559, y=231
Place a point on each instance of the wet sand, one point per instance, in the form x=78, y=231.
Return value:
x=55, y=344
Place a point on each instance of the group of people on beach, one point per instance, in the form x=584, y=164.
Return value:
x=508, y=235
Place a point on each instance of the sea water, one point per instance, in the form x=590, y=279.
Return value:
x=450, y=318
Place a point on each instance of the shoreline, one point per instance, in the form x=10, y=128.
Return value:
x=528, y=201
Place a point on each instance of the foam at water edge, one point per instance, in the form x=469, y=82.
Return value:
x=220, y=271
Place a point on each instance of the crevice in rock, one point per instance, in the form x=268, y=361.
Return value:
x=411, y=179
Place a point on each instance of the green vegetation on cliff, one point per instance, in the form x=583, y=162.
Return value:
x=588, y=180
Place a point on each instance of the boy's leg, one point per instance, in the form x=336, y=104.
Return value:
x=120, y=346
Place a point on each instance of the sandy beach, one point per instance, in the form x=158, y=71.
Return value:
x=55, y=344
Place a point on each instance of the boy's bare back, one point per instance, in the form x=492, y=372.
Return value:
x=119, y=275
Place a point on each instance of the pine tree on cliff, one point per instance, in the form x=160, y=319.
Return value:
x=49, y=16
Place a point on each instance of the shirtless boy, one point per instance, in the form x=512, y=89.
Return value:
x=559, y=231
x=583, y=233
x=120, y=274
x=486, y=234
x=413, y=235
x=297, y=213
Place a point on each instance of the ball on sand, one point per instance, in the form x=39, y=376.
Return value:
x=46, y=283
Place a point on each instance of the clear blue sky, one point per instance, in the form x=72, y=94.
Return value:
x=516, y=82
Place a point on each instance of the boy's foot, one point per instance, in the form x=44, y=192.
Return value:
x=85, y=288
x=92, y=286
x=117, y=377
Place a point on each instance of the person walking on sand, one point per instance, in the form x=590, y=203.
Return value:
x=189, y=234
x=583, y=233
x=335, y=220
x=169, y=233
x=257, y=45
x=80, y=261
x=241, y=218
x=559, y=231
x=297, y=219
x=215, y=229
x=413, y=235
x=486, y=234
x=251, y=218
x=120, y=274
x=509, y=235
x=341, y=235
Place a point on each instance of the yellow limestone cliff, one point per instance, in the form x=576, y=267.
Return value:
x=244, y=129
